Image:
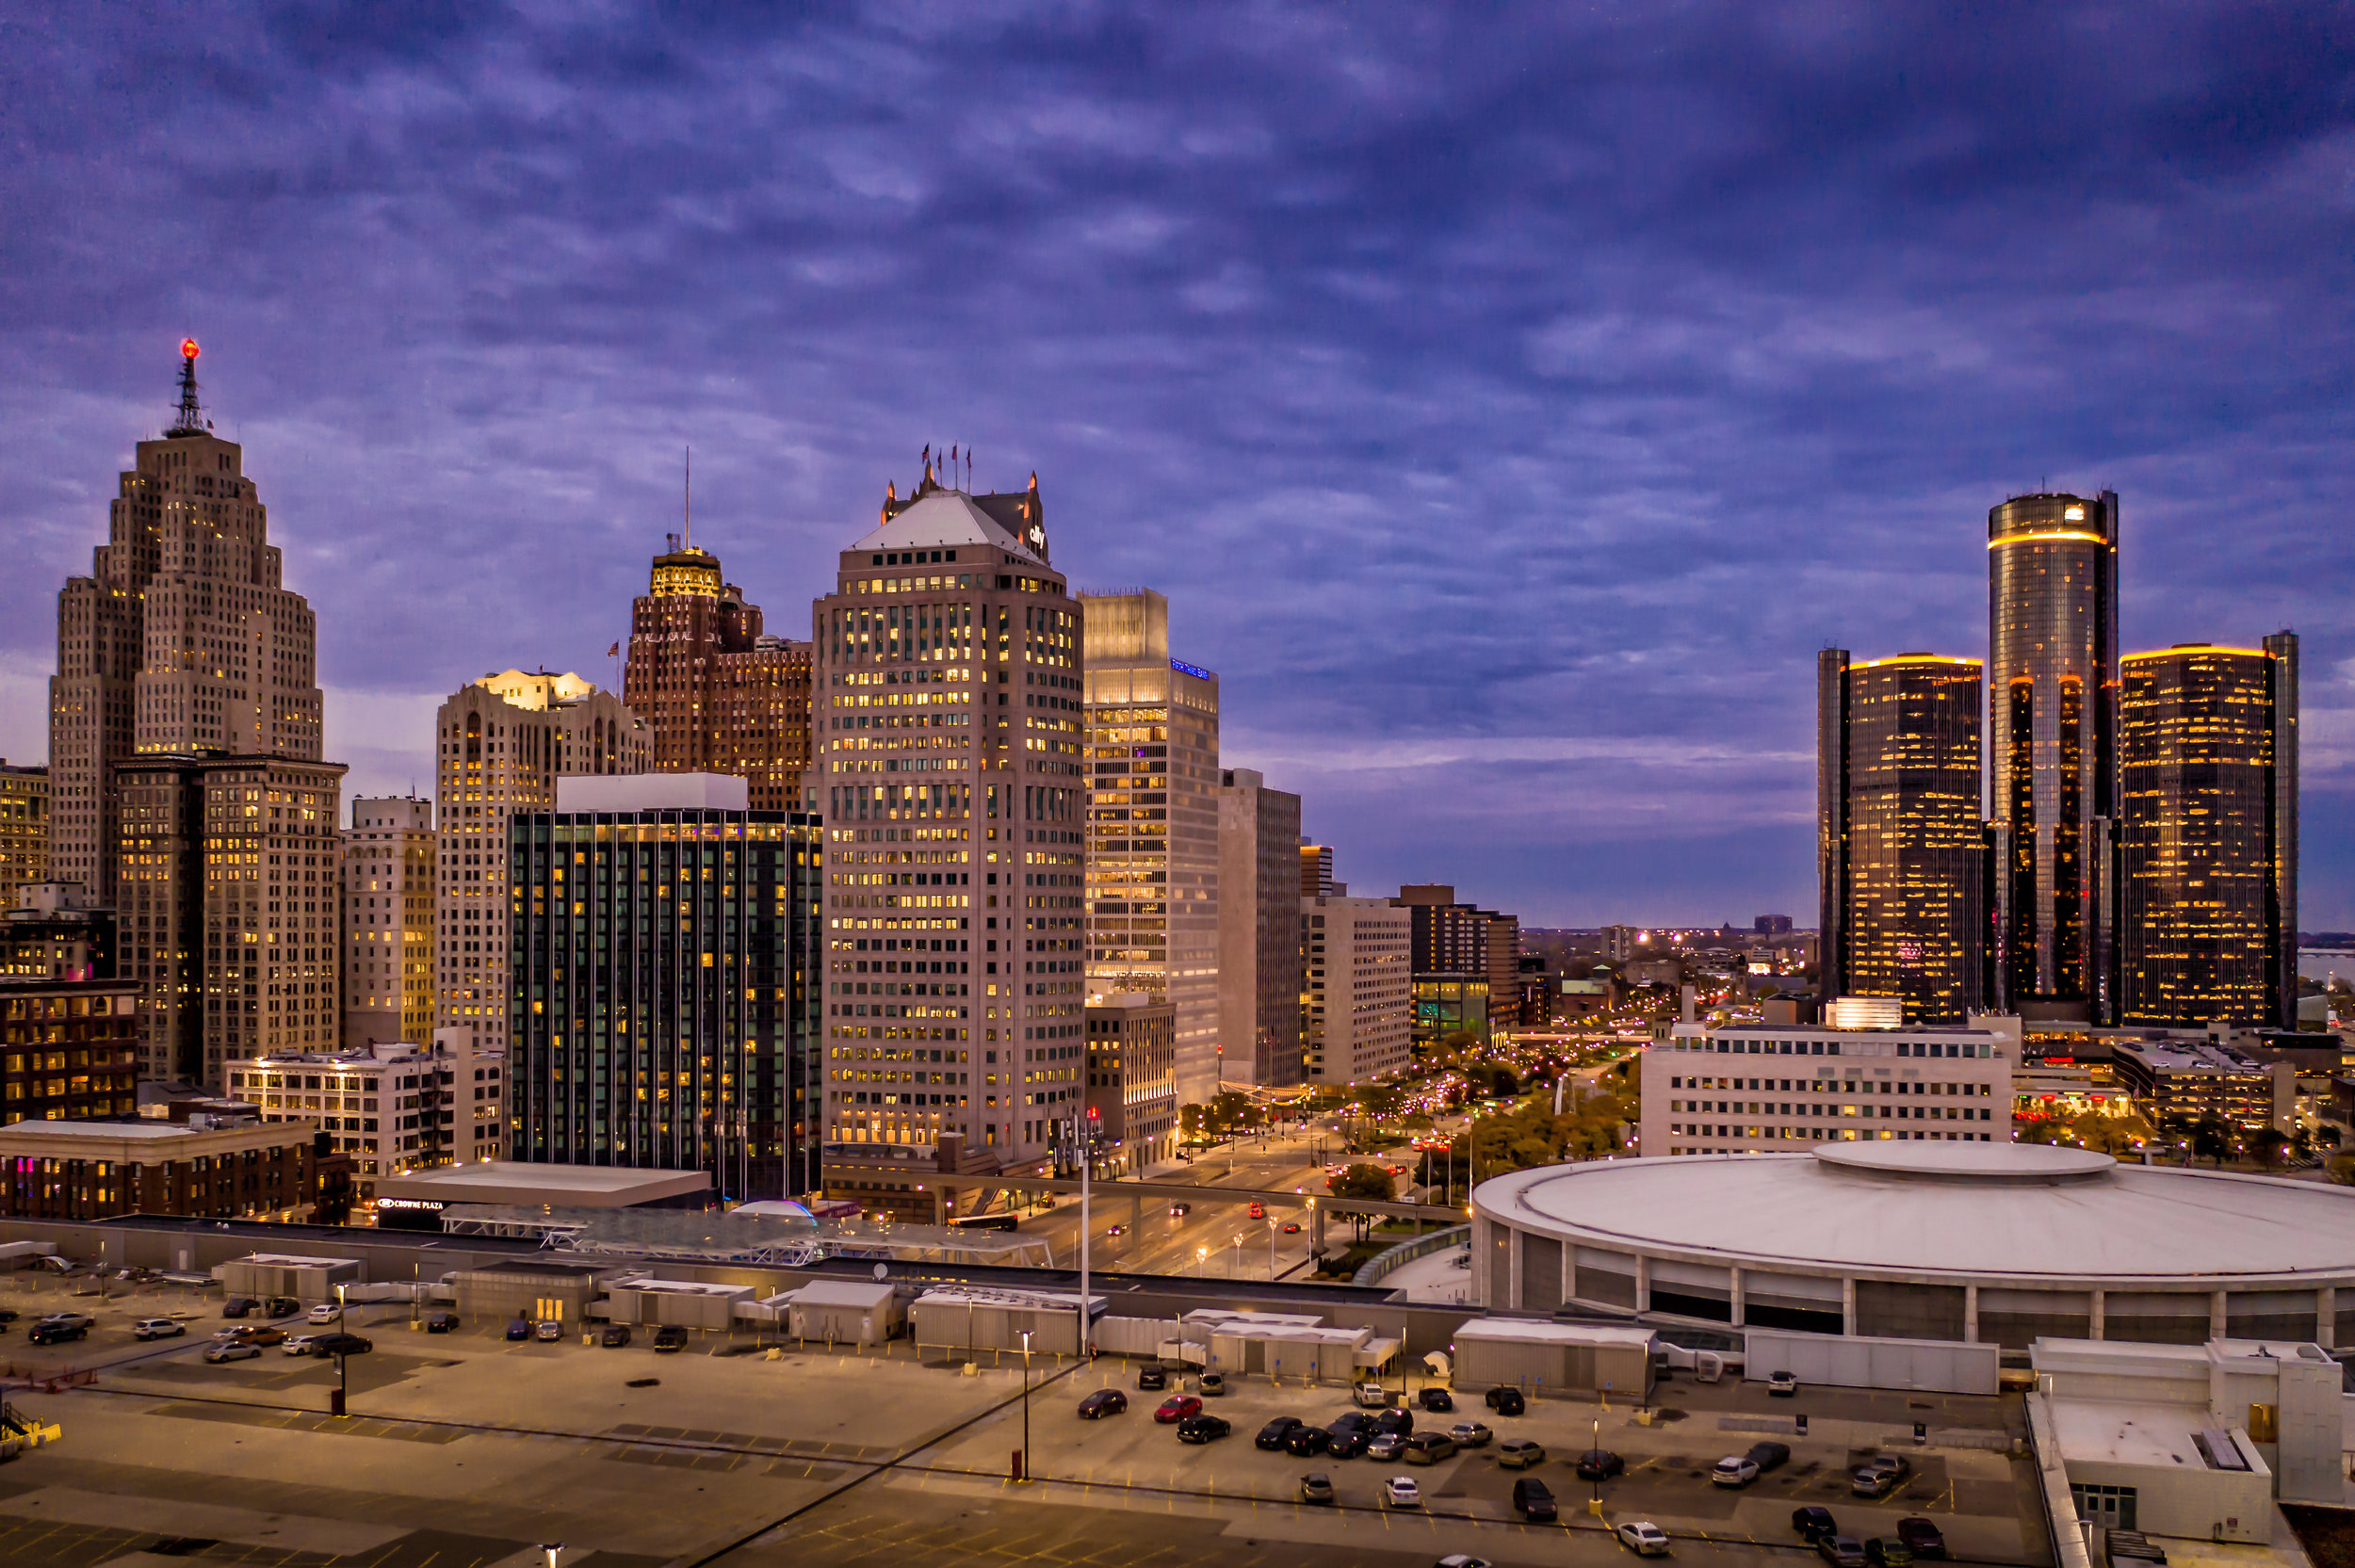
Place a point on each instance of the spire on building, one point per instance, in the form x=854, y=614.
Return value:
x=190, y=421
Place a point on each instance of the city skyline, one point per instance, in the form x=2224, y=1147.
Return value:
x=1664, y=477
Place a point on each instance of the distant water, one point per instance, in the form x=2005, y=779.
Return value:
x=2320, y=964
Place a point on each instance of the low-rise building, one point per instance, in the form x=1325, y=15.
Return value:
x=1132, y=1077
x=138, y=1165
x=54, y=932
x=1764, y=1088
x=24, y=824
x=1358, y=999
x=69, y=1049
x=393, y=1108
x=2185, y=1079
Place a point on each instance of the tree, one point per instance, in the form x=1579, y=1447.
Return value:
x=2267, y=1144
x=1367, y=1182
x=2211, y=1139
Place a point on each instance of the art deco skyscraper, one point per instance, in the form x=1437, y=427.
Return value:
x=2052, y=688
x=1153, y=810
x=2208, y=835
x=948, y=747
x=1899, y=845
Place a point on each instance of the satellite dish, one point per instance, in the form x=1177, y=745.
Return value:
x=883, y=1273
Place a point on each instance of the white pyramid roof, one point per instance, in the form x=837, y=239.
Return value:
x=944, y=517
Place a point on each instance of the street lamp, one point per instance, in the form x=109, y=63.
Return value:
x=1026, y=1404
x=554, y=1549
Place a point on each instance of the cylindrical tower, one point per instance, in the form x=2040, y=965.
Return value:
x=2051, y=692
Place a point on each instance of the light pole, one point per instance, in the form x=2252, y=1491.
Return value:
x=1026, y=1404
x=554, y=1549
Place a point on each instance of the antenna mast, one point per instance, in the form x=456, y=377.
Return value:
x=190, y=420
x=687, y=503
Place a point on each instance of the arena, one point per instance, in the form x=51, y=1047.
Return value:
x=1995, y=1243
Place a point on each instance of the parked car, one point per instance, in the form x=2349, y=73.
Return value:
x=518, y=1329
x=1152, y=1379
x=341, y=1344
x=1399, y=1421
x=1400, y=1492
x=615, y=1336
x=1600, y=1464
x=1812, y=1522
x=1436, y=1400
x=1925, y=1538
x=1471, y=1434
x=1642, y=1537
x=1769, y=1456
x=1783, y=1385
x=237, y=1306
x=1532, y=1499
x=280, y=1306
x=1839, y=1551
x=253, y=1333
x=1733, y=1470
x=1371, y=1396
x=1176, y=1408
x=326, y=1312
x=1103, y=1403
x=1211, y=1385
x=1880, y=1476
x=1272, y=1435
x=157, y=1328
x=299, y=1344
x=1507, y=1401
x=1306, y=1441
x=1386, y=1444
x=670, y=1338
x=81, y=1320
x=1886, y=1551
x=1316, y=1487
x=549, y=1329
x=439, y=1322
x=1520, y=1454
x=230, y=1350
x=1429, y=1447
x=1203, y=1429
x=54, y=1333
x=1346, y=1441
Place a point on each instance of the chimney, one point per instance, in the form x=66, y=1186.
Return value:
x=1692, y=996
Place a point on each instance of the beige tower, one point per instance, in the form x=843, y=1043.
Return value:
x=1153, y=825
x=180, y=642
x=388, y=865
x=504, y=740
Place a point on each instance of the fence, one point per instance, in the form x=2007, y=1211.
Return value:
x=1406, y=1251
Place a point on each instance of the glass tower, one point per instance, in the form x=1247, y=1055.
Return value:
x=2208, y=835
x=1899, y=841
x=2052, y=688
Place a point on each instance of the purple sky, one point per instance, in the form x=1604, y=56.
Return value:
x=1509, y=409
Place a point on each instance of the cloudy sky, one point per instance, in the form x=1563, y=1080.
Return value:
x=1510, y=400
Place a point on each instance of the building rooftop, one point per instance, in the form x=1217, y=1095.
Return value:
x=502, y=1181
x=629, y=792
x=943, y=517
x=2184, y=1055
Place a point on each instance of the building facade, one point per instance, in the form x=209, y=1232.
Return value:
x=388, y=879
x=392, y=1107
x=230, y=907
x=53, y=933
x=1131, y=1100
x=1900, y=845
x=662, y=1001
x=24, y=825
x=2185, y=1081
x=1259, y=931
x=1467, y=966
x=504, y=740
x=1357, y=1014
x=949, y=770
x=1153, y=824
x=2208, y=835
x=180, y=642
x=1706, y=1092
x=2051, y=731
x=69, y=1049
x=100, y=1170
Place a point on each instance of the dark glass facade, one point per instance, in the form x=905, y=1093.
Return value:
x=2208, y=835
x=662, y=997
x=1899, y=843
x=2052, y=683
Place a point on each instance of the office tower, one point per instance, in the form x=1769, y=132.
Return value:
x=180, y=642
x=55, y=934
x=2052, y=736
x=388, y=877
x=1259, y=931
x=718, y=693
x=1900, y=847
x=1131, y=1079
x=1449, y=960
x=504, y=740
x=948, y=769
x=2208, y=835
x=1316, y=870
x=1153, y=851
x=229, y=907
x=1357, y=986
x=663, y=1009
x=392, y=1107
x=23, y=826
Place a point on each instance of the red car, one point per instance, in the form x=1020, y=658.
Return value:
x=1259, y=1212
x=1176, y=1408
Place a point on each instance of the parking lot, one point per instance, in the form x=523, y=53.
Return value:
x=464, y=1448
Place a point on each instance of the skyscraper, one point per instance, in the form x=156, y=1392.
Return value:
x=718, y=694
x=180, y=641
x=2052, y=688
x=504, y=740
x=1259, y=931
x=2208, y=835
x=1900, y=850
x=1153, y=825
x=948, y=770
x=388, y=878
